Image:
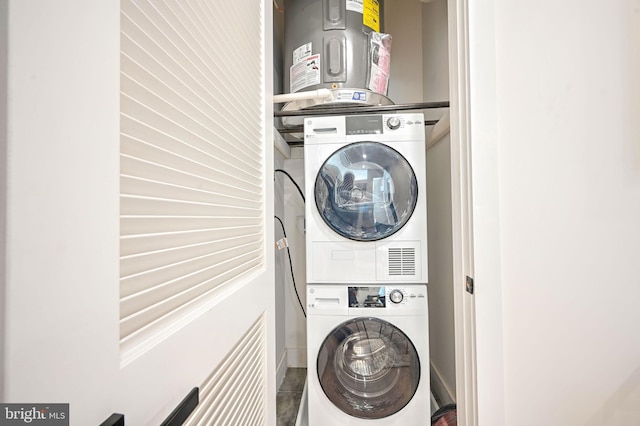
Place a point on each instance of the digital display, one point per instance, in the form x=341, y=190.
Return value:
x=367, y=297
x=364, y=125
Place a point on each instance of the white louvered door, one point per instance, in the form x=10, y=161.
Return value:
x=139, y=243
x=194, y=196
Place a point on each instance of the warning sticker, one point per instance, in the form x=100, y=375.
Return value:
x=371, y=14
x=380, y=57
x=305, y=73
x=302, y=52
x=354, y=5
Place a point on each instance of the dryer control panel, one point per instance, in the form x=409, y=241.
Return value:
x=378, y=124
x=376, y=127
x=364, y=125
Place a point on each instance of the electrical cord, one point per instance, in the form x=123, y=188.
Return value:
x=293, y=279
x=294, y=182
x=285, y=236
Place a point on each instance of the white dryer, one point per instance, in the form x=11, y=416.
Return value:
x=368, y=355
x=366, y=210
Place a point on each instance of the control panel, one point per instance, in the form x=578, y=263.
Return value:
x=366, y=298
x=378, y=127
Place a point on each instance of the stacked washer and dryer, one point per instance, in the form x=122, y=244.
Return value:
x=366, y=223
x=366, y=242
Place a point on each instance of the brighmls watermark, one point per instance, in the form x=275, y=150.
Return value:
x=34, y=414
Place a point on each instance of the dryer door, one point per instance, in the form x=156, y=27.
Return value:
x=368, y=368
x=366, y=191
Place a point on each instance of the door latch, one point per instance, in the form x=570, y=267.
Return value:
x=469, y=285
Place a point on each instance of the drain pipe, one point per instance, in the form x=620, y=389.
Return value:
x=300, y=96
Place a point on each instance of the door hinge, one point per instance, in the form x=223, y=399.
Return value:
x=469, y=285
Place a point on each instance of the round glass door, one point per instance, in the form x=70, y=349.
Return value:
x=368, y=368
x=366, y=191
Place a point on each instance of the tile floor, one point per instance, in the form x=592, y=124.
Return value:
x=289, y=396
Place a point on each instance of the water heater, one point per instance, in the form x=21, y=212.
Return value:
x=338, y=45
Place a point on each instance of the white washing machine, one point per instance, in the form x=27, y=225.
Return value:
x=368, y=355
x=366, y=209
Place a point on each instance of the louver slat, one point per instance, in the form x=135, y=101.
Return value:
x=234, y=393
x=192, y=179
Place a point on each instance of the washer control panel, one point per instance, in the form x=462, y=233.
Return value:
x=323, y=297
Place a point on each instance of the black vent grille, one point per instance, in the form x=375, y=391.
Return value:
x=402, y=261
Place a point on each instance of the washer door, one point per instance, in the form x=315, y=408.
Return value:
x=366, y=191
x=368, y=368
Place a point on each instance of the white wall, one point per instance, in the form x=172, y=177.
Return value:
x=281, y=269
x=291, y=323
x=282, y=265
x=435, y=70
x=441, y=318
x=295, y=322
x=435, y=56
x=420, y=73
x=403, y=20
x=558, y=157
x=4, y=20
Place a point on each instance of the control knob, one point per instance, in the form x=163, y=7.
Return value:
x=393, y=123
x=396, y=296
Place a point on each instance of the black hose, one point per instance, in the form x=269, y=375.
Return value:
x=293, y=279
x=294, y=182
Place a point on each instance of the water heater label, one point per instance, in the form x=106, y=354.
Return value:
x=305, y=73
x=354, y=5
x=371, y=14
x=351, y=96
x=301, y=53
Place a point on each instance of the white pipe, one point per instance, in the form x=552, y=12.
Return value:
x=280, y=144
x=311, y=94
x=441, y=128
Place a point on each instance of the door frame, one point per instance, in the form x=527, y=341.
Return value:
x=462, y=213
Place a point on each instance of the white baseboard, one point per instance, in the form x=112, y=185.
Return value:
x=291, y=357
x=281, y=369
x=440, y=389
x=297, y=357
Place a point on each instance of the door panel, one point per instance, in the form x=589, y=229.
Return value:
x=62, y=282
